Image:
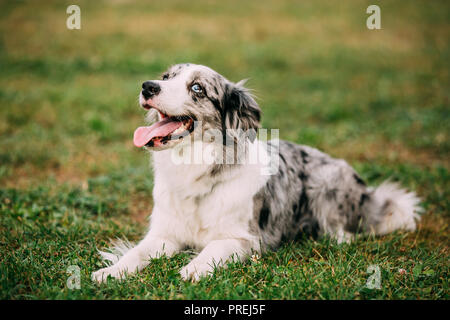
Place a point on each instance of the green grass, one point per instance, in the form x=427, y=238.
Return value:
x=70, y=178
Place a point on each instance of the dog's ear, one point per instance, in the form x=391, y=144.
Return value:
x=240, y=110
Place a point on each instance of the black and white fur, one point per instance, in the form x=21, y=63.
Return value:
x=232, y=210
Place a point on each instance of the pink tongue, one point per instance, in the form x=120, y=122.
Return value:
x=162, y=128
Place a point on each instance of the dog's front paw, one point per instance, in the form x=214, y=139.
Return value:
x=102, y=274
x=194, y=271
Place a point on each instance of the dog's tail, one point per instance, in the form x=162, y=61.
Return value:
x=390, y=208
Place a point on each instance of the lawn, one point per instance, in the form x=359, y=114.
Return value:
x=71, y=179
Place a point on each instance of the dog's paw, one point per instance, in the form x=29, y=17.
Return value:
x=102, y=274
x=194, y=271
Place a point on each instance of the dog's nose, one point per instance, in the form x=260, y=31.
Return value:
x=150, y=89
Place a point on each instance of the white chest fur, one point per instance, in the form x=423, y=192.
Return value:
x=198, y=207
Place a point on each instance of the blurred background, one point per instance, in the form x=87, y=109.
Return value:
x=68, y=98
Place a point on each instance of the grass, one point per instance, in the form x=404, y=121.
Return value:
x=70, y=178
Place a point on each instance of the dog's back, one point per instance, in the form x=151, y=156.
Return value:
x=314, y=194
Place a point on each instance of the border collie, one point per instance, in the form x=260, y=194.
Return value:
x=210, y=194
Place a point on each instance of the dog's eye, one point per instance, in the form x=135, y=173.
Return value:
x=165, y=76
x=196, y=88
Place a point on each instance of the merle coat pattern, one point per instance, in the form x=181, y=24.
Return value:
x=230, y=210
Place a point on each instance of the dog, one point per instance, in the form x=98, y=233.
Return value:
x=230, y=209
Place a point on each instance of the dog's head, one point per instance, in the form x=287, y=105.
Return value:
x=189, y=94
